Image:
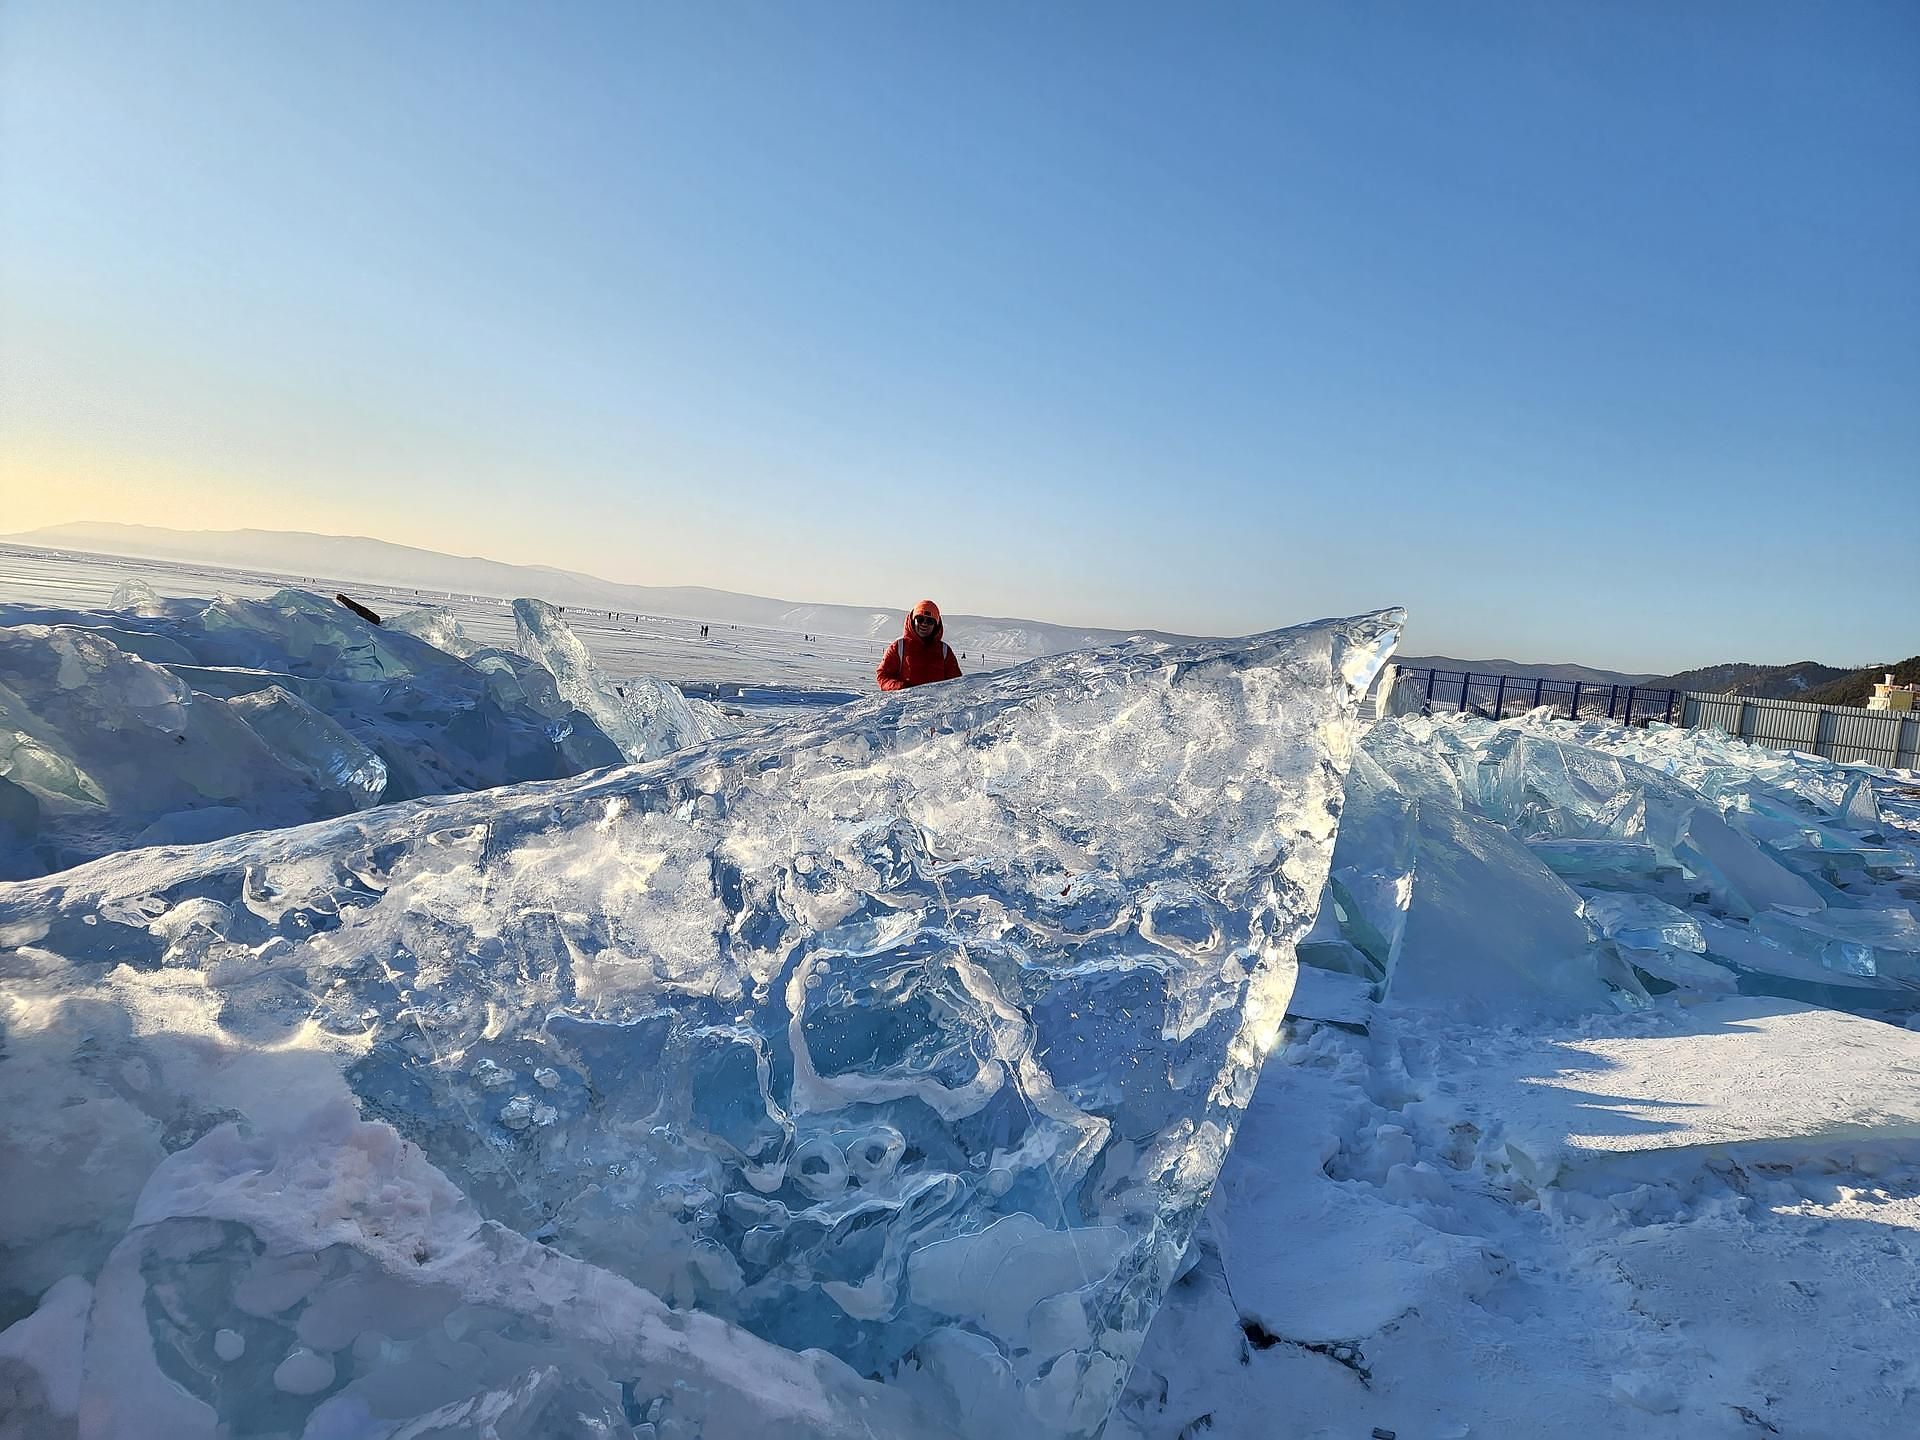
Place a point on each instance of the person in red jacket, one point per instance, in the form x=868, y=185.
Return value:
x=920, y=656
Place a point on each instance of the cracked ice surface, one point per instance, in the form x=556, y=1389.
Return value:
x=916, y=1036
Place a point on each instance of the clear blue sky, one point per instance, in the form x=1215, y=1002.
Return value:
x=1588, y=331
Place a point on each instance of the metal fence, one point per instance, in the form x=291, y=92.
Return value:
x=1495, y=696
x=1839, y=732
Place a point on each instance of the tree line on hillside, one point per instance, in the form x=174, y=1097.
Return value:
x=1802, y=680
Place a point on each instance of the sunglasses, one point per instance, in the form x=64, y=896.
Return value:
x=925, y=620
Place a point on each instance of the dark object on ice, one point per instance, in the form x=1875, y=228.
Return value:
x=357, y=608
x=1379, y=1434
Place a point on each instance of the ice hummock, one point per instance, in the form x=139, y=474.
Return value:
x=173, y=722
x=1544, y=868
x=916, y=1037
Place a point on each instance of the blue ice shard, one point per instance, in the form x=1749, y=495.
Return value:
x=646, y=717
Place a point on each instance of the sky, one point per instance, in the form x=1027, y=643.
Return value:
x=1586, y=331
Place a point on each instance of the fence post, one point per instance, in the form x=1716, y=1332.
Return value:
x=1574, y=712
x=1613, y=696
x=1432, y=675
x=1630, y=690
x=1500, y=699
x=1670, y=695
x=1465, y=681
x=1536, y=691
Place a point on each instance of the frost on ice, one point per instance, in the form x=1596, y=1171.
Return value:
x=176, y=722
x=916, y=1038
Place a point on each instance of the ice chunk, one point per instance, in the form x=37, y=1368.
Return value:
x=309, y=742
x=993, y=965
x=196, y=827
x=645, y=717
x=1644, y=923
x=1765, y=967
x=1742, y=877
x=437, y=626
x=1853, y=942
x=1624, y=864
x=414, y=1316
x=310, y=635
x=1859, y=810
x=1333, y=996
x=88, y=711
x=303, y=1372
x=1490, y=928
x=998, y=1277
x=1683, y=970
x=1371, y=883
x=136, y=597
x=108, y=743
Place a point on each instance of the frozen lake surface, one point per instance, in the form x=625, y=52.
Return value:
x=755, y=669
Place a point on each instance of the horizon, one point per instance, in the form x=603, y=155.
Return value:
x=1583, y=333
x=1426, y=652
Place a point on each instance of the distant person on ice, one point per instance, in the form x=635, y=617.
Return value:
x=920, y=656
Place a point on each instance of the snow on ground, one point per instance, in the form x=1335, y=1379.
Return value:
x=1377, y=1256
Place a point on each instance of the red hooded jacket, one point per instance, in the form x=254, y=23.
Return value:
x=911, y=661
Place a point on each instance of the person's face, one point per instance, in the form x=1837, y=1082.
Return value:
x=924, y=626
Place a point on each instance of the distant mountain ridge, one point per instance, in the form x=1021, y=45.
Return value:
x=1797, y=681
x=1857, y=688
x=334, y=560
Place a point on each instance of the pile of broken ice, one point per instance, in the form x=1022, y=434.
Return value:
x=857, y=1078
x=1538, y=866
x=861, y=1077
x=174, y=722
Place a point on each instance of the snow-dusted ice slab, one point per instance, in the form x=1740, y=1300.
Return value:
x=1740, y=1071
x=917, y=1037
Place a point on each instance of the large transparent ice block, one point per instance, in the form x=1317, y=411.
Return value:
x=917, y=1037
